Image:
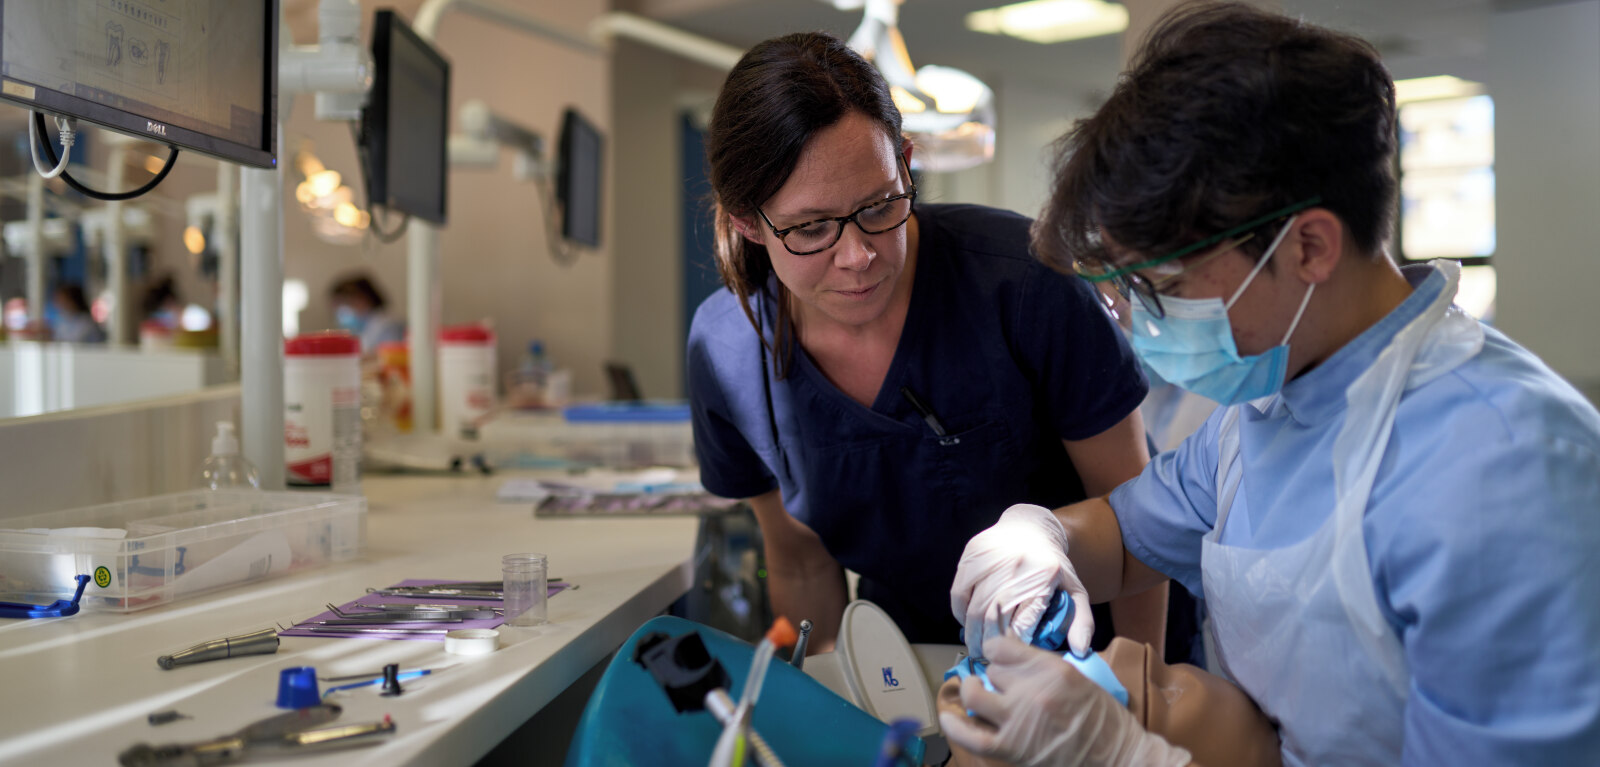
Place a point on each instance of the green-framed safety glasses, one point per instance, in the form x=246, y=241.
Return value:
x=1100, y=273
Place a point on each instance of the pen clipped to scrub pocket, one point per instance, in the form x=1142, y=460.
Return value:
x=945, y=438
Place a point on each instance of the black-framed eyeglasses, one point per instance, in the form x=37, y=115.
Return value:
x=875, y=217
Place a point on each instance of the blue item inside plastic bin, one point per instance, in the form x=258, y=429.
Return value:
x=60, y=608
x=657, y=411
x=630, y=721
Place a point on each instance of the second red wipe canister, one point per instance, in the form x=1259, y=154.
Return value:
x=322, y=410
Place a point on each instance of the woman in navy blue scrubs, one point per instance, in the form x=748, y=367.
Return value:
x=881, y=378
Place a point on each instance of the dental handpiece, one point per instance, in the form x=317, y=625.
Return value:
x=263, y=642
x=798, y=657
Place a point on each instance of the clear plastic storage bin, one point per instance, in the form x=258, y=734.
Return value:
x=152, y=551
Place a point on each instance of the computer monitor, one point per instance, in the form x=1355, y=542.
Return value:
x=578, y=179
x=405, y=127
x=202, y=76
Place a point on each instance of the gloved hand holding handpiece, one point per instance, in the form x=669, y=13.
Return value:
x=1008, y=574
x=1046, y=713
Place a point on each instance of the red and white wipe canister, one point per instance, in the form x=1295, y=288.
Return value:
x=322, y=410
x=466, y=378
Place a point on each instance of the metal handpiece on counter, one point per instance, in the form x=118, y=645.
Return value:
x=263, y=642
x=295, y=732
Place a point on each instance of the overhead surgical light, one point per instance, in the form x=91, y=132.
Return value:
x=948, y=113
x=335, y=219
x=1051, y=21
x=194, y=240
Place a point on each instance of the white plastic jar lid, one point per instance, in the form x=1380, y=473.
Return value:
x=471, y=641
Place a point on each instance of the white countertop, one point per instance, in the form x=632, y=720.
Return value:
x=77, y=690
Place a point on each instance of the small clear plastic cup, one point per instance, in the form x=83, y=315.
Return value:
x=526, y=598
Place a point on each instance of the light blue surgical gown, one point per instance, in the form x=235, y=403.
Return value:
x=1482, y=535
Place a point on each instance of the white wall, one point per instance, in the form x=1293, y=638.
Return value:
x=651, y=90
x=648, y=289
x=1545, y=80
x=494, y=259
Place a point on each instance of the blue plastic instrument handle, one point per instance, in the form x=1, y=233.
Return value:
x=60, y=608
x=400, y=677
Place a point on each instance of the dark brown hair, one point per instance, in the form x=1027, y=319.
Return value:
x=358, y=286
x=780, y=94
x=1227, y=113
x=72, y=293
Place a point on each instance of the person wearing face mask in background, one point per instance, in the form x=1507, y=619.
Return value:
x=73, y=322
x=1394, y=515
x=160, y=303
x=881, y=377
x=358, y=308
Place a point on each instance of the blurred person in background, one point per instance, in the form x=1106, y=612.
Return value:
x=73, y=323
x=358, y=307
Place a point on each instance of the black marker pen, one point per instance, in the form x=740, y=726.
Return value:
x=927, y=414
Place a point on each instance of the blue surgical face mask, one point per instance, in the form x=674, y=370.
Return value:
x=348, y=319
x=1193, y=345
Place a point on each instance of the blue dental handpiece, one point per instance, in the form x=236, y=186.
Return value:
x=1051, y=634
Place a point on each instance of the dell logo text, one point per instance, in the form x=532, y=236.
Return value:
x=155, y=127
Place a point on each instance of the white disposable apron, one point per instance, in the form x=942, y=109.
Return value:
x=1298, y=627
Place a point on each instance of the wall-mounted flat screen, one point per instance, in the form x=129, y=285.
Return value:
x=200, y=74
x=406, y=123
x=578, y=179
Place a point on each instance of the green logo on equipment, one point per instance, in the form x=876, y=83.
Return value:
x=102, y=576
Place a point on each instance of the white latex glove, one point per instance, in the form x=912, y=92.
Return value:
x=1047, y=714
x=1008, y=574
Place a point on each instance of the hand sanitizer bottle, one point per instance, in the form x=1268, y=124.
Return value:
x=226, y=469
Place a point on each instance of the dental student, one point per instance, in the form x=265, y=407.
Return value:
x=1393, y=518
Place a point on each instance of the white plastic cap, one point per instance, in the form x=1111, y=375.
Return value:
x=225, y=443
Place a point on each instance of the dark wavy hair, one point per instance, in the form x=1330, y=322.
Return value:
x=1227, y=113
x=780, y=94
x=358, y=286
x=72, y=293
